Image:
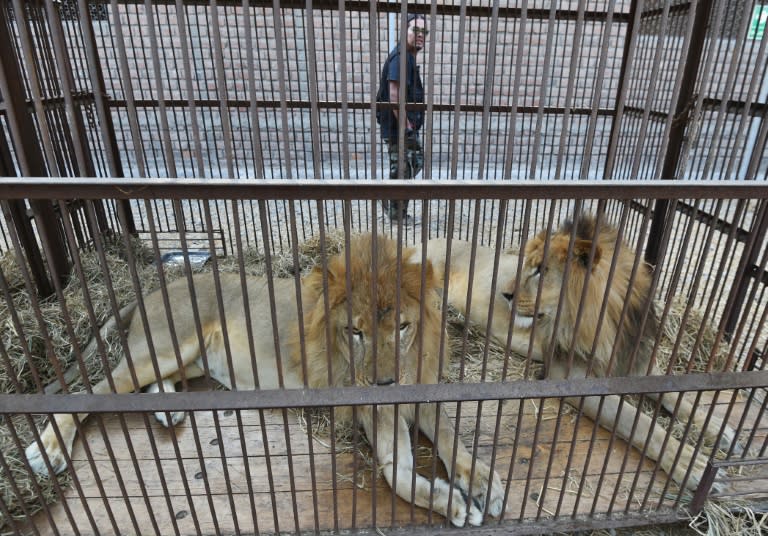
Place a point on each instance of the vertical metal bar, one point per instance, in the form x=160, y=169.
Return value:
x=566, y=119
x=227, y=351
x=430, y=95
x=96, y=78
x=342, y=31
x=679, y=124
x=543, y=87
x=314, y=112
x=457, y=95
x=132, y=263
x=221, y=85
x=303, y=356
x=281, y=70
x=490, y=62
x=279, y=358
x=27, y=51
x=163, y=290
x=31, y=163
x=167, y=144
x=728, y=93
x=79, y=273
x=627, y=64
x=735, y=300
x=252, y=351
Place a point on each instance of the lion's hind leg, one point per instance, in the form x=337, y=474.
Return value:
x=715, y=429
x=682, y=462
x=126, y=377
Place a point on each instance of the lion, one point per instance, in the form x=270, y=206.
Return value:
x=486, y=299
x=383, y=345
x=578, y=344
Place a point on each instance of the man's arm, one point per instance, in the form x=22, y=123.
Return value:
x=394, y=94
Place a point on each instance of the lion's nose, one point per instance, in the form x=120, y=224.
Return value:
x=509, y=296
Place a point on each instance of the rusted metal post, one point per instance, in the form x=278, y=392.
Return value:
x=102, y=106
x=27, y=144
x=748, y=268
x=679, y=124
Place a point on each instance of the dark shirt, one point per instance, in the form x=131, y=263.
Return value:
x=414, y=93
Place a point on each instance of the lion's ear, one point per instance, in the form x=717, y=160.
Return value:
x=581, y=251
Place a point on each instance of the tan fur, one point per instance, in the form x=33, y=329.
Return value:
x=418, y=338
x=572, y=341
x=460, y=262
x=579, y=347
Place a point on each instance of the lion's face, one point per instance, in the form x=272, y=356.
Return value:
x=544, y=271
x=372, y=343
x=372, y=340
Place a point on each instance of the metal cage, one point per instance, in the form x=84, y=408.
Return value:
x=143, y=142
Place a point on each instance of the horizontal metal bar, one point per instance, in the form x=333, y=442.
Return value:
x=738, y=462
x=542, y=526
x=394, y=394
x=396, y=8
x=756, y=109
x=335, y=105
x=218, y=188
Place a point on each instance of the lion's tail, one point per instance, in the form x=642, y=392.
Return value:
x=111, y=325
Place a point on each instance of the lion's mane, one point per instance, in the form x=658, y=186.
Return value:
x=326, y=319
x=626, y=334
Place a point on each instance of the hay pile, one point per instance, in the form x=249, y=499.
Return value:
x=23, y=496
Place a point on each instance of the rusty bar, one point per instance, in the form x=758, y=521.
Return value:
x=99, y=247
x=165, y=130
x=395, y=394
x=569, y=92
x=238, y=249
x=221, y=86
x=652, y=89
x=80, y=358
x=598, y=93
x=737, y=295
x=680, y=123
x=302, y=350
x=142, y=311
x=728, y=85
x=627, y=65
x=31, y=162
x=123, y=215
x=127, y=88
x=283, y=89
x=227, y=350
x=37, y=188
x=543, y=93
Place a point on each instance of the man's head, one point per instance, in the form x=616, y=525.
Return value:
x=417, y=32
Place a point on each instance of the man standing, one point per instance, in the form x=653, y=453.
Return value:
x=389, y=91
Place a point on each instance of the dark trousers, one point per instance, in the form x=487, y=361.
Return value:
x=413, y=162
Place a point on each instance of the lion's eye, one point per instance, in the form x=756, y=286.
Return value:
x=537, y=270
x=404, y=326
x=357, y=332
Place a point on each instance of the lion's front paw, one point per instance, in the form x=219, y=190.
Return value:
x=480, y=486
x=53, y=451
x=175, y=418
x=461, y=512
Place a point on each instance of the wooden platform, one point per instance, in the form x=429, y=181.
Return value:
x=276, y=493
